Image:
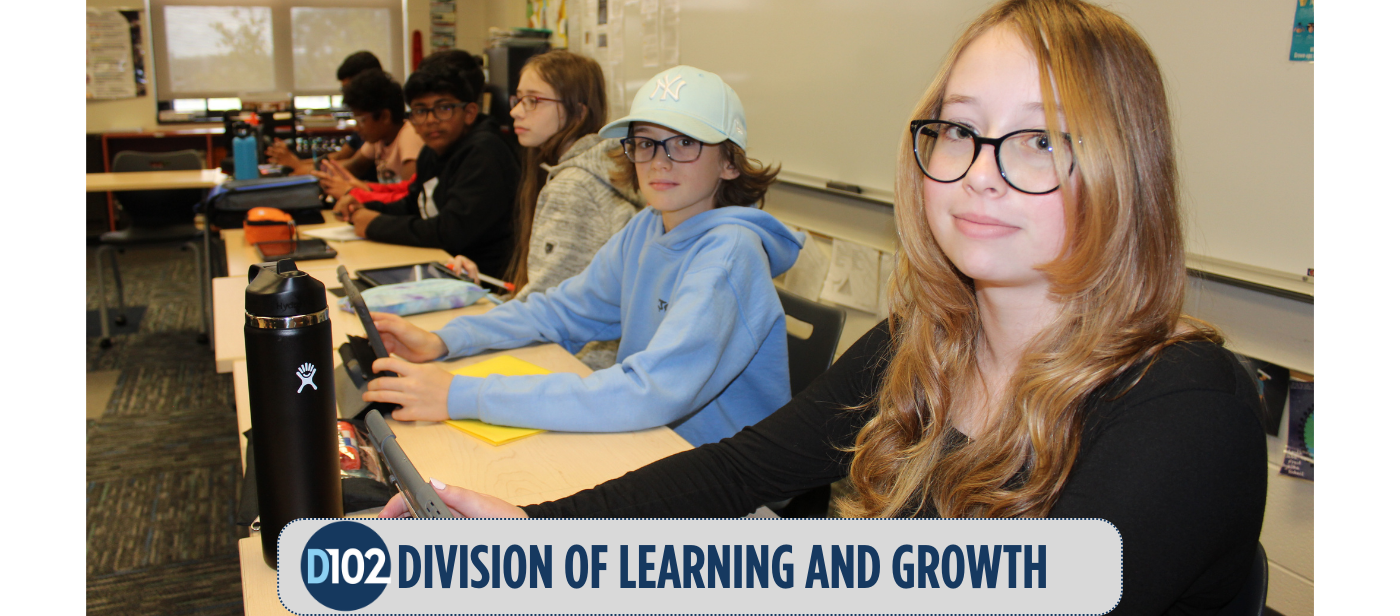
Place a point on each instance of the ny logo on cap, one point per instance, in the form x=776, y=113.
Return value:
x=668, y=86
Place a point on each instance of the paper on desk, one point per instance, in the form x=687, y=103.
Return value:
x=504, y=365
x=854, y=276
x=334, y=234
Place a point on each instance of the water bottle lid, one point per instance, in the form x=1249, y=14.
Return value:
x=282, y=291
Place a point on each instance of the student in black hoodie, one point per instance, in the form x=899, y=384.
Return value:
x=463, y=199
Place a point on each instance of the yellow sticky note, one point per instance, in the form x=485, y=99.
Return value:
x=503, y=365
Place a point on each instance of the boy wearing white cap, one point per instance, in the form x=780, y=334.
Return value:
x=686, y=286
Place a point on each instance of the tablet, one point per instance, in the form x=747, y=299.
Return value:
x=421, y=271
x=308, y=249
x=420, y=498
x=405, y=273
x=357, y=303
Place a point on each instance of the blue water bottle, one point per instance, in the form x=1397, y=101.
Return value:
x=245, y=153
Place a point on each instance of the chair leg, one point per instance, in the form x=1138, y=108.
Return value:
x=203, y=337
x=106, y=340
x=121, y=296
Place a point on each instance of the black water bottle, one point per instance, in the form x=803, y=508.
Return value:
x=291, y=393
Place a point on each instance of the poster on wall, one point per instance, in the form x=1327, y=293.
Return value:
x=444, y=18
x=1302, y=32
x=116, y=66
x=1299, y=455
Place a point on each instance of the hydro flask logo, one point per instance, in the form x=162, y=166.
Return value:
x=305, y=372
x=345, y=566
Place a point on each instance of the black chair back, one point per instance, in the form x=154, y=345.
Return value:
x=1250, y=601
x=158, y=208
x=809, y=357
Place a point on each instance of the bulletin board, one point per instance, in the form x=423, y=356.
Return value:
x=116, y=54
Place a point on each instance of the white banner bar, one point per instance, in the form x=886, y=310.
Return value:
x=700, y=566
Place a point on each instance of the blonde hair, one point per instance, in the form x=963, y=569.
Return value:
x=1120, y=279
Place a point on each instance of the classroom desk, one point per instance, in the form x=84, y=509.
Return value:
x=154, y=180
x=356, y=255
x=533, y=469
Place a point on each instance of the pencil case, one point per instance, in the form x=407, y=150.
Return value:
x=420, y=296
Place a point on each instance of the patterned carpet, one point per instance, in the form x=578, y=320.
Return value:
x=162, y=462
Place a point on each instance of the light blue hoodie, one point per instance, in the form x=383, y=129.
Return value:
x=703, y=340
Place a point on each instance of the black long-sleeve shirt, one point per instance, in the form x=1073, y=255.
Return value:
x=472, y=188
x=1177, y=464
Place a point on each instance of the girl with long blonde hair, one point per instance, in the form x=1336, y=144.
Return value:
x=1036, y=362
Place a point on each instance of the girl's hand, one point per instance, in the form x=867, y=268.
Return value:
x=462, y=502
x=407, y=340
x=463, y=265
x=421, y=389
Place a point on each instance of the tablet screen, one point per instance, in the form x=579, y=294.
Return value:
x=405, y=273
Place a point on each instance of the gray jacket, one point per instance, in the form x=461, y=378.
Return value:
x=577, y=211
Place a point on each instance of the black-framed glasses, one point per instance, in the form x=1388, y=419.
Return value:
x=680, y=148
x=1026, y=158
x=530, y=101
x=441, y=111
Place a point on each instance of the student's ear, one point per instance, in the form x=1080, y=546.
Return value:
x=727, y=170
x=470, y=112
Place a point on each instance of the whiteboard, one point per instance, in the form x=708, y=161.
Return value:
x=828, y=87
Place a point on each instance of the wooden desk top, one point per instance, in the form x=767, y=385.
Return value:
x=227, y=296
x=154, y=180
x=356, y=255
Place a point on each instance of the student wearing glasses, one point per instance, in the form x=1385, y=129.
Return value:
x=568, y=205
x=461, y=200
x=686, y=286
x=1036, y=362
x=337, y=181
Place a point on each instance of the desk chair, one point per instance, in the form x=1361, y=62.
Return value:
x=1250, y=601
x=808, y=358
x=157, y=218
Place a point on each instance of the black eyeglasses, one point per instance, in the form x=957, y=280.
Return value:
x=641, y=149
x=1026, y=158
x=441, y=111
x=530, y=101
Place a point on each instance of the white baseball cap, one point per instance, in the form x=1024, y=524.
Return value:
x=689, y=101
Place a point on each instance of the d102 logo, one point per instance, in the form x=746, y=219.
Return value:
x=345, y=566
